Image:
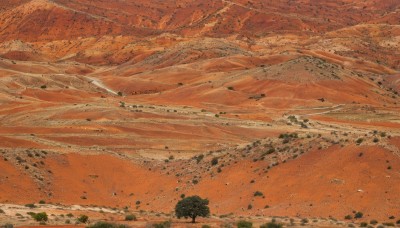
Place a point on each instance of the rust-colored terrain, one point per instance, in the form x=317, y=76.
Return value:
x=117, y=107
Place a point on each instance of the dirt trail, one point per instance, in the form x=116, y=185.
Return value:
x=99, y=84
x=334, y=109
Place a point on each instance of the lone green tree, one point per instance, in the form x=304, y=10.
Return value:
x=191, y=207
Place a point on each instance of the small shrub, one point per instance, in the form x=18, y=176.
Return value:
x=1, y=211
x=231, y=88
x=107, y=225
x=373, y=222
x=43, y=86
x=258, y=193
x=120, y=94
x=166, y=224
x=249, y=207
x=205, y=226
x=214, y=161
x=83, y=219
x=348, y=217
x=244, y=224
x=30, y=205
x=270, y=151
x=199, y=158
x=388, y=224
x=40, y=217
x=363, y=224
x=359, y=141
x=358, y=215
x=130, y=217
x=398, y=221
x=42, y=202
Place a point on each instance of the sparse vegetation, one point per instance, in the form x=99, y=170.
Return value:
x=107, y=225
x=271, y=225
x=304, y=221
x=83, y=219
x=166, y=224
x=214, y=161
x=198, y=73
x=373, y=222
x=348, y=217
x=130, y=217
x=30, y=205
x=244, y=224
x=258, y=193
x=40, y=217
x=199, y=158
x=358, y=215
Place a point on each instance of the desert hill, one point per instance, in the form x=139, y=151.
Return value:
x=284, y=109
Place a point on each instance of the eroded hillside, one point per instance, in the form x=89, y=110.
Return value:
x=124, y=106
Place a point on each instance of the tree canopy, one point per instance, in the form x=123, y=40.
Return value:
x=192, y=207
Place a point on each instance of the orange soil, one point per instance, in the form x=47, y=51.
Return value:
x=209, y=76
x=307, y=187
x=16, y=186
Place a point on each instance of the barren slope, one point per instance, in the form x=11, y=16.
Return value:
x=125, y=104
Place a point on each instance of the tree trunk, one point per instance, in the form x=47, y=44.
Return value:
x=194, y=219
